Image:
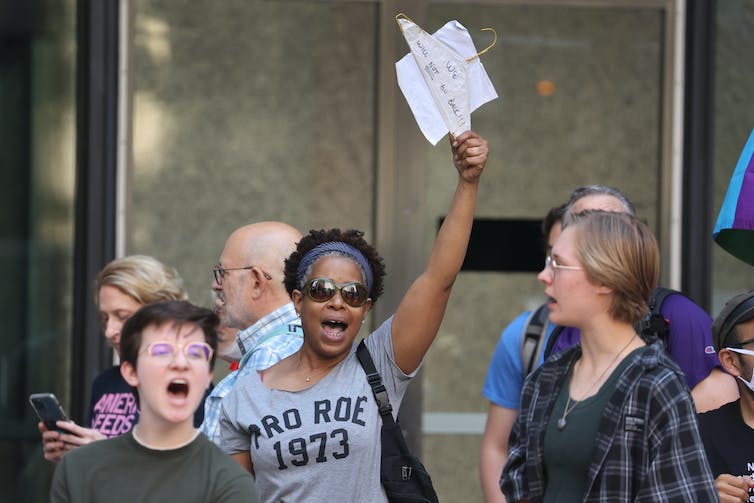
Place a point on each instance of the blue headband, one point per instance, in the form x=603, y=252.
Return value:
x=339, y=247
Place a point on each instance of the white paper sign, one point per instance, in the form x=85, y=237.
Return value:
x=440, y=85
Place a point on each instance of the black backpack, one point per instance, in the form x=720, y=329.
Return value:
x=653, y=325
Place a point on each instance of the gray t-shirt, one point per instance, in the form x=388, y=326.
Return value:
x=321, y=444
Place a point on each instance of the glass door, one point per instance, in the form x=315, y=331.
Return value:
x=37, y=93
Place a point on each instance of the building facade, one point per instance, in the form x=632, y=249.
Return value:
x=158, y=126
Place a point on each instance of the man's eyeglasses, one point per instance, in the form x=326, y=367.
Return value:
x=219, y=272
x=552, y=264
x=194, y=351
x=323, y=289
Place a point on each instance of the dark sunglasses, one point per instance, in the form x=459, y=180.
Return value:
x=323, y=289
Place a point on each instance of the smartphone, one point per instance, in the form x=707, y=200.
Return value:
x=48, y=409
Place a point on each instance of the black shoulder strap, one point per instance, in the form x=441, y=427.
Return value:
x=375, y=381
x=655, y=324
x=532, y=338
x=658, y=297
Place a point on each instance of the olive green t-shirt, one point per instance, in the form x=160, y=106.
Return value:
x=568, y=451
x=122, y=470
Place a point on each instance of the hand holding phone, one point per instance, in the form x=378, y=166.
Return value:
x=48, y=409
x=56, y=440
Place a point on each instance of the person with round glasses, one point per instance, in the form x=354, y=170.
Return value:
x=123, y=286
x=610, y=419
x=308, y=427
x=167, y=353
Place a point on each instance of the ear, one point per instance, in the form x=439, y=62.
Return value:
x=129, y=374
x=599, y=288
x=367, y=307
x=298, y=300
x=730, y=362
x=604, y=290
x=259, y=282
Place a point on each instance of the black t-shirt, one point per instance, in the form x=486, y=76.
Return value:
x=728, y=441
x=113, y=409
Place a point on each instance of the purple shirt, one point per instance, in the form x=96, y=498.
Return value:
x=689, y=343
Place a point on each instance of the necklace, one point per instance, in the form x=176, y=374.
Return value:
x=562, y=423
x=312, y=372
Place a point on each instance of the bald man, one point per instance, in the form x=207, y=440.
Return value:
x=250, y=296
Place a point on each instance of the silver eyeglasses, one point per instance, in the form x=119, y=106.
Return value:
x=552, y=264
x=219, y=272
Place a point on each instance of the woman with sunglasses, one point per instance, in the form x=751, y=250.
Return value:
x=123, y=286
x=308, y=426
x=610, y=419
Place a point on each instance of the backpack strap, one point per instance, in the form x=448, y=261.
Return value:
x=659, y=296
x=375, y=381
x=655, y=324
x=552, y=340
x=533, y=337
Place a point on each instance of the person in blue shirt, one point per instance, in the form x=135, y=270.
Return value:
x=505, y=380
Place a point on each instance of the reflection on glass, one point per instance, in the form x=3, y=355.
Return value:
x=37, y=64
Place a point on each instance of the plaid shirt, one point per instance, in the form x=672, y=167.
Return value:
x=263, y=344
x=647, y=447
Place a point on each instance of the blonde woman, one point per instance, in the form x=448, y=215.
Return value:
x=610, y=419
x=123, y=286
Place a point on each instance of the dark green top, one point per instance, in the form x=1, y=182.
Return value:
x=568, y=451
x=122, y=470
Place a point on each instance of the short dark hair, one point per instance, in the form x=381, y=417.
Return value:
x=601, y=190
x=352, y=237
x=553, y=216
x=737, y=310
x=178, y=312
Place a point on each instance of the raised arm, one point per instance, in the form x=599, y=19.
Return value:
x=420, y=313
